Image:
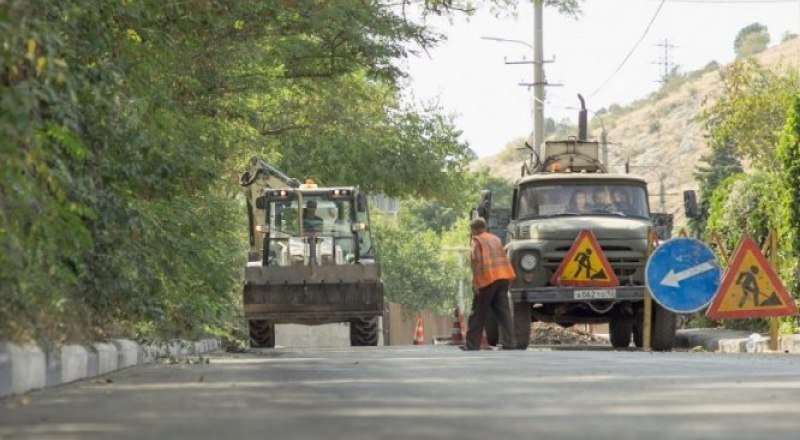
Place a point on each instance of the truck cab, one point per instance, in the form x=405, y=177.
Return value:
x=565, y=192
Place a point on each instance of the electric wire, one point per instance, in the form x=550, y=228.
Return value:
x=633, y=49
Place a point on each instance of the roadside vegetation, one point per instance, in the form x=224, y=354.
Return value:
x=125, y=125
x=755, y=123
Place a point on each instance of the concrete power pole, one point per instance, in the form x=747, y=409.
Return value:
x=538, y=76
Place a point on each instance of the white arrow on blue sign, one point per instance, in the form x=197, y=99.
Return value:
x=683, y=275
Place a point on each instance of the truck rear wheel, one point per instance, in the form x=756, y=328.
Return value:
x=522, y=325
x=364, y=332
x=262, y=333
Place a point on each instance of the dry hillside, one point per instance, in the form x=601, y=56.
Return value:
x=661, y=137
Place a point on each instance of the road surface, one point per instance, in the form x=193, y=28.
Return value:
x=425, y=392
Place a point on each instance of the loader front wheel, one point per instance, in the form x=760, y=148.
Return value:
x=364, y=332
x=262, y=333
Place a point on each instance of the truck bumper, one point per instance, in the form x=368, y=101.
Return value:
x=553, y=294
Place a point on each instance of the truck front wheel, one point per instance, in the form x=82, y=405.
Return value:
x=663, y=325
x=522, y=325
x=620, y=329
x=262, y=333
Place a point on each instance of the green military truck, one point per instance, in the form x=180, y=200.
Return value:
x=311, y=259
x=541, y=227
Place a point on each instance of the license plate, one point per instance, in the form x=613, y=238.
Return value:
x=596, y=294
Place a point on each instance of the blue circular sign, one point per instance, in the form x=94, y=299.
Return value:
x=683, y=275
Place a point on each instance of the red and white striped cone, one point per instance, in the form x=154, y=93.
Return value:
x=457, y=331
x=419, y=332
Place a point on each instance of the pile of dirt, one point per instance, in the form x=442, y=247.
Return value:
x=543, y=333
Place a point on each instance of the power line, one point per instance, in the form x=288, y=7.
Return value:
x=730, y=1
x=627, y=57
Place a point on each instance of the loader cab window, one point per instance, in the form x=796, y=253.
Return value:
x=542, y=201
x=314, y=221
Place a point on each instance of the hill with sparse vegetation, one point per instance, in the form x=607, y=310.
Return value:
x=660, y=136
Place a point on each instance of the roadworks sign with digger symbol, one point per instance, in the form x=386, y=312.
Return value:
x=750, y=288
x=585, y=265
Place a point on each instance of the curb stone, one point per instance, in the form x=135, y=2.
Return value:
x=734, y=341
x=26, y=368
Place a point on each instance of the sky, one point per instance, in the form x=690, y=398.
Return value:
x=467, y=75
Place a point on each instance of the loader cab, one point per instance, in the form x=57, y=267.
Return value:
x=317, y=226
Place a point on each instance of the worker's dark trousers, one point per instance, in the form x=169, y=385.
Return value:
x=493, y=297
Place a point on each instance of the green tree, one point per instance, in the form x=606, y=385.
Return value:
x=750, y=115
x=720, y=164
x=415, y=270
x=125, y=124
x=789, y=230
x=751, y=40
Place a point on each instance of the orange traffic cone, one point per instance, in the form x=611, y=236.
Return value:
x=419, y=333
x=457, y=332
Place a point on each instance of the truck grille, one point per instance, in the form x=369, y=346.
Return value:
x=623, y=259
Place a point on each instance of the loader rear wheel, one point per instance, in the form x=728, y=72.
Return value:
x=364, y=332
x=262, y=333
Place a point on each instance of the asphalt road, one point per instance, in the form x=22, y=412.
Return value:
x=426, y=392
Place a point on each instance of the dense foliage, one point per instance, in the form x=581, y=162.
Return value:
x=756, y=122
x=125, y=125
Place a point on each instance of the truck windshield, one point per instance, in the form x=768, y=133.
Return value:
x=582, y=199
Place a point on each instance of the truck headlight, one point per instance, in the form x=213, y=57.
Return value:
x=528, y=262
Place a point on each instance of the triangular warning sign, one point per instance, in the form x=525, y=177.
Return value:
x=750, y=288
x=585, y=265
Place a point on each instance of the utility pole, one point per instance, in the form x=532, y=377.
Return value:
x=539, y=82
x=665, y=61
x=538, y=76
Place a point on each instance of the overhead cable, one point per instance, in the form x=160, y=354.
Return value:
x=633, y=49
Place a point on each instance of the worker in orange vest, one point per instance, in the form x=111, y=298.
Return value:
x=491, y=273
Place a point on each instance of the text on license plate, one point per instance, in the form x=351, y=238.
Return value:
x=596, y=294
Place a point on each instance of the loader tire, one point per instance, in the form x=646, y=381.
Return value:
x=262, y=333
x=364, y=332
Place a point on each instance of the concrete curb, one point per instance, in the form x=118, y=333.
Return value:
x=734, y=341
x=26, y=368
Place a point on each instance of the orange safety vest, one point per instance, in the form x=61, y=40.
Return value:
x=489, y=261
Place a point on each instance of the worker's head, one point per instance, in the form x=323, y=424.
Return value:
x=311, y=207
x=599, y=195
x=620, y=196
x=477, y=226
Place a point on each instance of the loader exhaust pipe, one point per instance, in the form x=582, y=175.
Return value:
x=582, y=121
